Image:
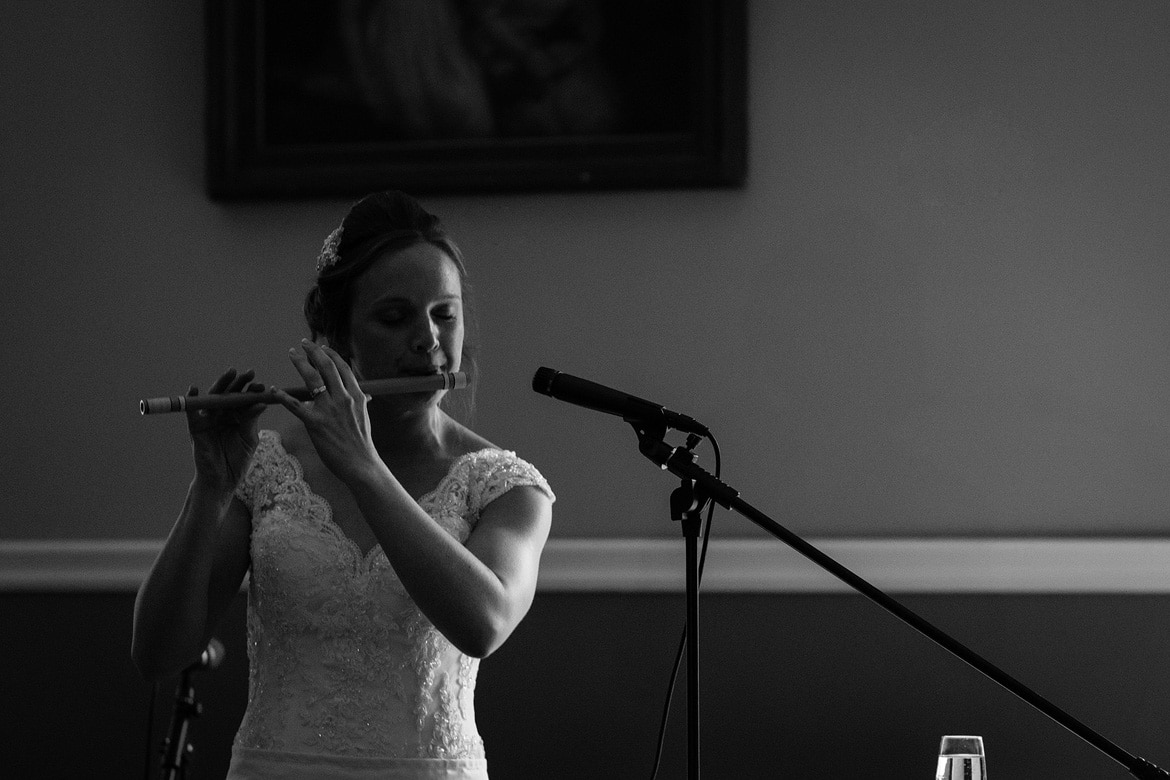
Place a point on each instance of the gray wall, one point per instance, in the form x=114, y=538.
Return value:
x=939, y=306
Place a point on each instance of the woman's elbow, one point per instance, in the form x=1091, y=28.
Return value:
x=489, y=633
x=147, y=664
x=483, y=640
x=152, y=660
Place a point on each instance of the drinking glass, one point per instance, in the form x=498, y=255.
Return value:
x=961, y=758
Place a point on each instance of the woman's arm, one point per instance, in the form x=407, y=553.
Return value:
x=192, y=582
x=475, y=593
x=205, y=557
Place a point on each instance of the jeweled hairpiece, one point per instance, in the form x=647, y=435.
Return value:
x=328, y=256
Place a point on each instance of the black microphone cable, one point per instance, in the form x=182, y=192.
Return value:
x=682, y=642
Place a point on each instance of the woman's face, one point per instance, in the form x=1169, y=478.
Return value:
x=407, y=315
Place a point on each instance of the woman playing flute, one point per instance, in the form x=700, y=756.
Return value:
x=389, y=546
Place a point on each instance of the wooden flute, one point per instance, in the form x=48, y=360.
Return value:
x=407, y=384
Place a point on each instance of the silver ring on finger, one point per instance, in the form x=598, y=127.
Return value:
x=316, y=391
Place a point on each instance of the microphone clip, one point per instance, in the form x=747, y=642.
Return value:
x=651, y=432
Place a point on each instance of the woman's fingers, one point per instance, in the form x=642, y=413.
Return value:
x=326, y=368
x=241, y=381
x=247, y=414
x=193, y=422
x=224, y=380
x=309, y=374
x=348, y=380
x=229, y=381
x=288, y=402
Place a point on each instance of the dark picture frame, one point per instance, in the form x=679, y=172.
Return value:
x=317, y=99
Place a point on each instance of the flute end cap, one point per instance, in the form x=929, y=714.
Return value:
x=159, y=405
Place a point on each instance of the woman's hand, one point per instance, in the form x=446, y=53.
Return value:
x=223, y=442
x=336, y=419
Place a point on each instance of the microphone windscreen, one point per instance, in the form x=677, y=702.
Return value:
x=542, y=382
x=214, y=653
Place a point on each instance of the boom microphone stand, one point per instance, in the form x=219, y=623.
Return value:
x=177, y=748
x=704, y=486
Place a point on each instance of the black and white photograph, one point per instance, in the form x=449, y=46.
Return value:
x=578, y=389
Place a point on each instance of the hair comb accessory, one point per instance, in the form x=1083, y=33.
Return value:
x=328, y=256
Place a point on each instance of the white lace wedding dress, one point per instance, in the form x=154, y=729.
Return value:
x=347, y=678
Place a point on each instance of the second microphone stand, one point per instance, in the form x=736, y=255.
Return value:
x=177, y=747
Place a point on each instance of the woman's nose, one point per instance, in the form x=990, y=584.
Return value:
x=426, y=337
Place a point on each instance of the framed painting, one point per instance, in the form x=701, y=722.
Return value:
x=329, y=98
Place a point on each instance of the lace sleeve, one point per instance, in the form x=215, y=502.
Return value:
x=251, y=490
x=500, y=471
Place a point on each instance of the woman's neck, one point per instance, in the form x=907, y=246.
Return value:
x=399, y=431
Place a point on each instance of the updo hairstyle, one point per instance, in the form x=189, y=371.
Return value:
x=377, y=224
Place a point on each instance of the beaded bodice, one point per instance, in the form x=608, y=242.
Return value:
x=341, y=661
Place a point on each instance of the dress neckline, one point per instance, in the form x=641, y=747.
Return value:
x=299, y=472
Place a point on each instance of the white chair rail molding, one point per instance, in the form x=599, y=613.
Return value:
x=737, y=565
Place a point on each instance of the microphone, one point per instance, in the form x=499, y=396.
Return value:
x=211, y=657
x=600, y=398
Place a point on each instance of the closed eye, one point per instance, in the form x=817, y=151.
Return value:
x=446, y=314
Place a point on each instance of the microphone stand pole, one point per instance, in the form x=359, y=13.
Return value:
x=680, y=462
x=176, y=748
x=686, y=505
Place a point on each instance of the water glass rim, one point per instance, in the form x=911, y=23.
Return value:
x=961, y=744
